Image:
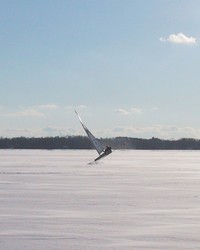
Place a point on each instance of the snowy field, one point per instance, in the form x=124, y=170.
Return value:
x=130, y=200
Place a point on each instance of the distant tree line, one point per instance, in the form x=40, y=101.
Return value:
x=82, y=142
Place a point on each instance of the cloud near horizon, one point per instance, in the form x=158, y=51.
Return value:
x=136, y=111
x=160, y=131
x=167, y=132
x=38, y=132
x=122, y=111
x=37, y=110
x=48, y=106
x=179, y=38
x=25, y=112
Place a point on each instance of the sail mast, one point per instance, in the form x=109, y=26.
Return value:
x=96, y=143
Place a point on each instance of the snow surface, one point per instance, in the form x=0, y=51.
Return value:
x=130, y=200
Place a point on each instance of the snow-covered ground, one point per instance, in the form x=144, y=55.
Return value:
x=130, y=200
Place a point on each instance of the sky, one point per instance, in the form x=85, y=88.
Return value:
x=130, y=68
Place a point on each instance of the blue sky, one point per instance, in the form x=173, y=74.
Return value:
x=130, y=68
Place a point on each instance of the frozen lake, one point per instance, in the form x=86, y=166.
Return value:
x=130, y=200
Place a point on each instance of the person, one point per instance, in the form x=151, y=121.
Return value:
x=107, y=150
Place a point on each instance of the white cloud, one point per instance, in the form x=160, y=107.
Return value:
x=179, y=38
x=26, y=112
x=38, y=110
x=49, y=106
x=160, y=131
x=122, y=111
x=72, y=108
x=129, y=112
x=34, y=111
x=38, y=132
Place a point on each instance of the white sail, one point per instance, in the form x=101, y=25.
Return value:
x=96, y=143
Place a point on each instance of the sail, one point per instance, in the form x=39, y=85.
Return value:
x=96, y=143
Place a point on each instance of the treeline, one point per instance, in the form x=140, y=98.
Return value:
x=82, y=142
x=70, y=142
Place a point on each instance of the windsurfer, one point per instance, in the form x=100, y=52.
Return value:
x=96, y=143
x=107, y=150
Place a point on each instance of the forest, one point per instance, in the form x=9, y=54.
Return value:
x=82, y=142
